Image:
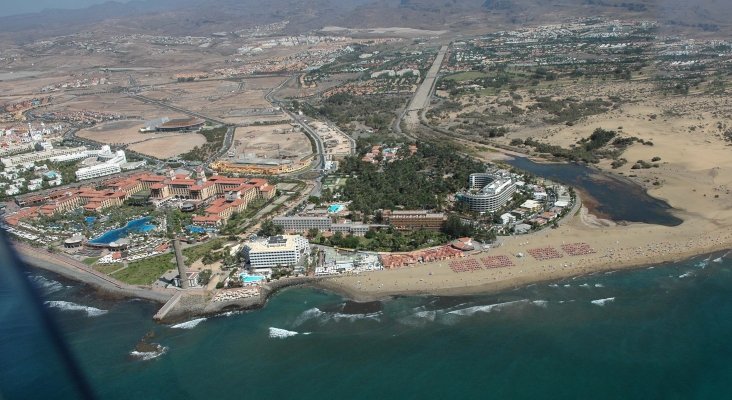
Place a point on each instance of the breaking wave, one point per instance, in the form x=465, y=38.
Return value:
x=277, y=333
x=148, y=355
x=487, y=308
x=231, y=313
x=188, y=324
x=323, y=317
x=421, y=317
x=311, y=313
x=69, y=306
x=602, y=302
x=46, y=285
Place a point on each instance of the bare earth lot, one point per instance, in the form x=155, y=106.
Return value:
x=230, y=101
x=170, y=146
x=158, y=145
x=271, y=142
x=112, y=103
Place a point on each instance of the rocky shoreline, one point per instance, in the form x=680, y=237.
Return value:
x=182, y=305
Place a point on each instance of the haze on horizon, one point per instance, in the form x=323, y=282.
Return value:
x=16, y=7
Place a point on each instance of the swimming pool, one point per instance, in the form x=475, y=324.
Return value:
x=250, y=278
x=136, y=225
x=195, y=229
x=336, y=208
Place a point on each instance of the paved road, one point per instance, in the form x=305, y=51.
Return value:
x=178, y=109
x=319, y=147
x=73, y=269
x=228, y=141
x=421, y=99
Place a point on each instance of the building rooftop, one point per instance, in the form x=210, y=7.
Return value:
x=275, y=243
x=181, y=123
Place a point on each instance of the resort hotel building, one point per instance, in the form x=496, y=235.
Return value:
x=275, y=251
x=302, y=224
x=62, y=154
x=407, y=220
x=108, y=163
x=218, y=196
x=488, y=192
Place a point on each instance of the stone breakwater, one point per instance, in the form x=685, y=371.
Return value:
x=198, y=303
x=177, y=306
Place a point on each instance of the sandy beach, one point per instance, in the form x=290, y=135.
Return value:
x=615, y=248
x=694, y=177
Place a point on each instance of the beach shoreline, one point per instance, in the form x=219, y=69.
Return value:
x=615, y=245
x=67, y=268
x=348, y=291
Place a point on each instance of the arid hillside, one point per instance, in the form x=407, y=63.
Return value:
x=201, y=17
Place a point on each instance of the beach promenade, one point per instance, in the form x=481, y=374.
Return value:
x=72, y=269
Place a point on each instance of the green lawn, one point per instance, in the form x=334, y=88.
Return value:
x=90, y=260
x=108, y=268
x=195, y=253
x=489, y=91
x=145, y=272
x=466, y=76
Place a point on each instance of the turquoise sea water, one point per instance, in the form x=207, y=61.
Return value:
x=656, y=332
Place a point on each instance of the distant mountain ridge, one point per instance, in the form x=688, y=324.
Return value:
x=198, y=17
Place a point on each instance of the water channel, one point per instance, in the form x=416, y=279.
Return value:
x=605, y=195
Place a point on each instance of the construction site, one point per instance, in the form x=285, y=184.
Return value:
x=336, y=143
x=267, y=150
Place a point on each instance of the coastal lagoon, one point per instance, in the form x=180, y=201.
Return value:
x=655, y=332
x=606, y=195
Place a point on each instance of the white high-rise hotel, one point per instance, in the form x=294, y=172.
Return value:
x=276, y=251
x=488, y=192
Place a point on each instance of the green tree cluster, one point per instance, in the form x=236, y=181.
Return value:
x=422, y=181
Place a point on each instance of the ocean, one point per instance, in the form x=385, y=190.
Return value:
x=656, y=332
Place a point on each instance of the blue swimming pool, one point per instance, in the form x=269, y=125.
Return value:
x=336, y=208
x=250, y=278
x=195, y=229
x=139, y=225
